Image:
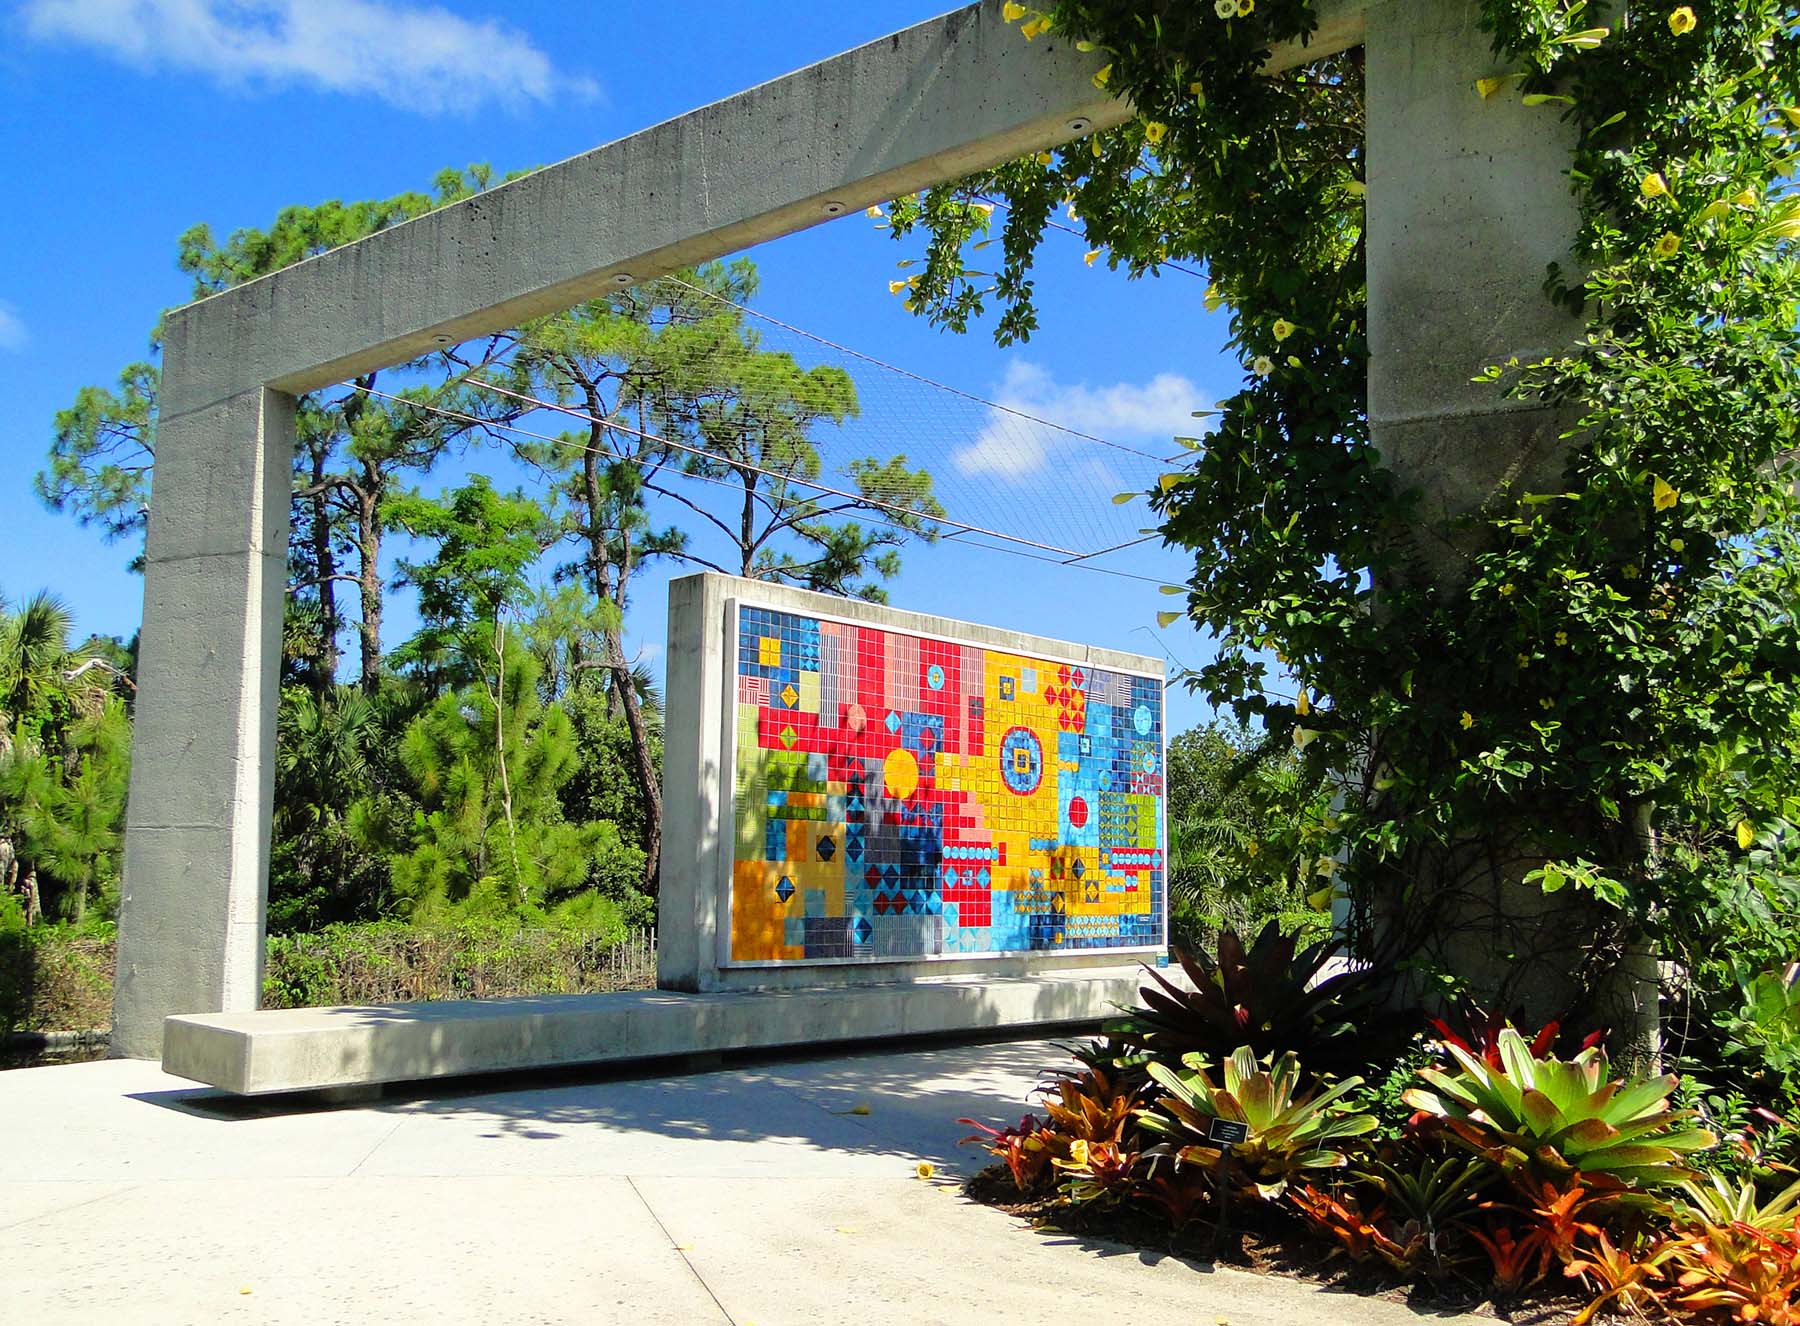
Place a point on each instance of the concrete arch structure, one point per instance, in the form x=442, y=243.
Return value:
x=1467, y=203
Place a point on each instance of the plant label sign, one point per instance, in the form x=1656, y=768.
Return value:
x=1227, y=1132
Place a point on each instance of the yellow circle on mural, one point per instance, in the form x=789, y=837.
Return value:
x=899, y=774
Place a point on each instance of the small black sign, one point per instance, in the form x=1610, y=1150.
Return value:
x=1226, y=1132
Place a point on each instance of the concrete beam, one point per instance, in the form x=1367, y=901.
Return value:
x=931, y=103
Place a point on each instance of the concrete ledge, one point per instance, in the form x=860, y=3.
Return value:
x=314, y=1048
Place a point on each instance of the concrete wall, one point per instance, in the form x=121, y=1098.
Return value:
x=933, y=102
x=697, y=791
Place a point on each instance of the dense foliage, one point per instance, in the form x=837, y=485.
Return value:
x=1595, y=696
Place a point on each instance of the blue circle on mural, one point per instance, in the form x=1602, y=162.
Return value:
x=1021, y=761
x=1141, y=719
x=1149, y=761
x=934, y=677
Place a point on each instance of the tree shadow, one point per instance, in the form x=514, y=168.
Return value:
x=900, y=1098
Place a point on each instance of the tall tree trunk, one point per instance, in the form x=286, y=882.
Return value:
x=325, y=568
x=747, y=522
x=601, y=569
x=368, y=575
x=506, y=797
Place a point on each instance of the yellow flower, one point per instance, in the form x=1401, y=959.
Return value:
x=1104, y=77
x=1663, y=495
x=1302, y=705
x=1283, y=329
x=1098, y=146
x=895, y=287
x=1524, y=660
x=1254, y=848
x=1245, y=8
x=1669, y=245
x=1155, y=132
x=925, y=1169
x=1036, y=28
x=1508, y=590
x=1654, y=185
x=1045, y=158
x=1629, y=571
x=1547, y=703
x=1262, y=366
x=1677, y=545
x=1197, y=89
x=1078, y=1151
x=1562, y=637
x=1012, y=12
x=1468, y=720
x=1089, y=256
x=1745, y=198
x=986, y=209
x=1225, y=8
x=1682, y=21
x=875, y=213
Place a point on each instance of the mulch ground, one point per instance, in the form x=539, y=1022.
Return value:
x=1267, y=1240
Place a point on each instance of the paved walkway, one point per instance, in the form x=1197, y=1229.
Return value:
x=752, y=1196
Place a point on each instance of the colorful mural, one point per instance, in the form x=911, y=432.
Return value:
x=900, y=796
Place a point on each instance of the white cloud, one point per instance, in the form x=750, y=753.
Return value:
x=416, y=56
x=1151, y=413
x=12, y=328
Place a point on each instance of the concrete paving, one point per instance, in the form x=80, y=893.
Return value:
x=752, y=1195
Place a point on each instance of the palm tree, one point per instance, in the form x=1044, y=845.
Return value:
x=64, y=752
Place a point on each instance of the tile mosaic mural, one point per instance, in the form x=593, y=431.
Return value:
x=900, y=796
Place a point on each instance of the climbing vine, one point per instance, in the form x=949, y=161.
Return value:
x=1598, y=691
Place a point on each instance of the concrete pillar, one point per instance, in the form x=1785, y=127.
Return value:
x=696, y=785
x=191, y=918
x=1468, y=205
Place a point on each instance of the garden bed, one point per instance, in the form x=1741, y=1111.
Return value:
x=1274, y=1113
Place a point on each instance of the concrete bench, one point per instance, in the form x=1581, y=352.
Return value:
x=322, y=1048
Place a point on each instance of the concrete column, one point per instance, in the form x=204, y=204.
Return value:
x=696, y=785
x=1468, y=205
x=191, y=918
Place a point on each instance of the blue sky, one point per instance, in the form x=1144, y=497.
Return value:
x=123, y=122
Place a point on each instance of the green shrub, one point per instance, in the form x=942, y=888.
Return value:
x=392, y=962
x=55, y=978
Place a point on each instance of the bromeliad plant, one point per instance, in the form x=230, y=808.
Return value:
x=1292, y=1131
x=1269, y=997
x=1739, y=1273
x=1548, y=1119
